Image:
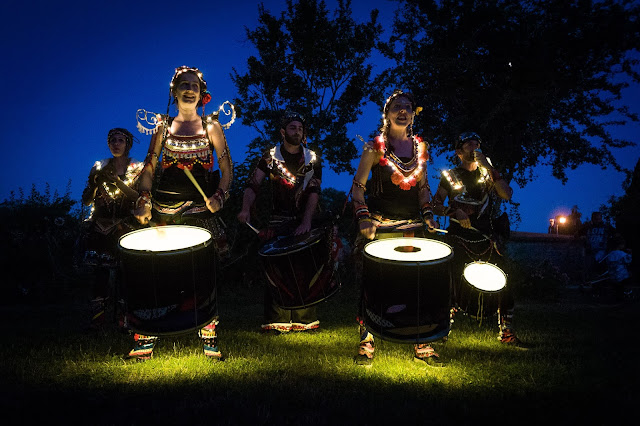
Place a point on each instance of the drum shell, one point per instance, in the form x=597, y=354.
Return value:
x=177, y=287
x=423, y=287
x=303, y=276
x=476, y=303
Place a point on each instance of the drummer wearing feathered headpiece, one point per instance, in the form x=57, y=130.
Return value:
x=295, y=174
x=398, y=196
x=477, y=232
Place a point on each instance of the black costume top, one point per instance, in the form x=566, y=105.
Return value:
x=293, y=178
x=174, y=193
x=469, y=191
x=388, y=199
x=111, y=216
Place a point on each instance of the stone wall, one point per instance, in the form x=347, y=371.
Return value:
x=562, y=251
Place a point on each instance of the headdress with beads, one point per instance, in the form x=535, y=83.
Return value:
x=124, y=132
x=395, y=95
x=205, y=95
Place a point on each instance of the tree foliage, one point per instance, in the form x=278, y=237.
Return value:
x=539, y=80
x=314, y=64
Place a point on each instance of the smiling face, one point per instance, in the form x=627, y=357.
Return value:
x=400, y=112
x=118, y=144
x=187, y=90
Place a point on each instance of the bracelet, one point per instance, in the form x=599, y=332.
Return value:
x=144, y=199
x=362, y=211
x=426, y=212
x=364, y=219
x=359, y=185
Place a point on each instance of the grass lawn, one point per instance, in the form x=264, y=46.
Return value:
x=582, y=369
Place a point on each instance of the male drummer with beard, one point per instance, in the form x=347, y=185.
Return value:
x=476, y=232
x=295, y=174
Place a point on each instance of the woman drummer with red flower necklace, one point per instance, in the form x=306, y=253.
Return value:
x=398, y=195
x=187, y=144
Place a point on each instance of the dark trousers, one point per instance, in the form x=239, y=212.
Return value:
x=274, y=313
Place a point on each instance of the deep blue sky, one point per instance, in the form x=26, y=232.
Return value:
x=73, y=70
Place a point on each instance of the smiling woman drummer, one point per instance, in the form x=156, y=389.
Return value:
x=398, y=196
x=186, y=190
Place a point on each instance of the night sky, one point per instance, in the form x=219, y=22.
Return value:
x=73, y=70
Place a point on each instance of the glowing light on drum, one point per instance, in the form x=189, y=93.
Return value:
x=165, y=238
x=485, y=276
x=408, y=249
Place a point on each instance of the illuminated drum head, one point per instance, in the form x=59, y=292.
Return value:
x=485, y=276
x=408, y=250
x=165, y=238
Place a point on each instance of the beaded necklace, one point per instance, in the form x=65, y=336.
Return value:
x=404, y=175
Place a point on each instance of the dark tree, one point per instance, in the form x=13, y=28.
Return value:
x=538, y=80
x=311, y=63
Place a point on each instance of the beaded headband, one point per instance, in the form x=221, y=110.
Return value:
x=205, y=95
x=124, y=132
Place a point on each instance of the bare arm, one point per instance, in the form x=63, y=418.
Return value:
x=142, y=212
x=249, y=196
x=89, y=193
x=500, y=185
x=367, y=160
x=219, y=141
x=309, y=209
x=424, y=199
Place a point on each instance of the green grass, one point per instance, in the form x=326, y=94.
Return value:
x=583, y=367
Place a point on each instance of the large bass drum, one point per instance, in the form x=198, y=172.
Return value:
x=407, y=289
x=169, y=277
x=301, y=270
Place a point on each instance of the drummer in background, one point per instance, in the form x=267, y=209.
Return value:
x=295, y=174
x=112, y=191
x=476, y=232
x=398, y=197
x=187, y=141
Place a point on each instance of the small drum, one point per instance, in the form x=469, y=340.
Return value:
x=407, y=289
x=169, y=278
x=300, y=269
x=479, y=291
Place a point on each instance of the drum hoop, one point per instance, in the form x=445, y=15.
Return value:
x=306, y=246
x=165, y=252
x=408, y=262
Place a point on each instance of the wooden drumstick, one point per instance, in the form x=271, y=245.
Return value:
x=471, y=227
x=252, y=227
x=194, y=182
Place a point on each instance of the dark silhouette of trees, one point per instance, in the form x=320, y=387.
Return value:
x=538, y=80
x=314, y=64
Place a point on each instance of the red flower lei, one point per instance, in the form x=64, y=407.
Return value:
x=397, y=177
